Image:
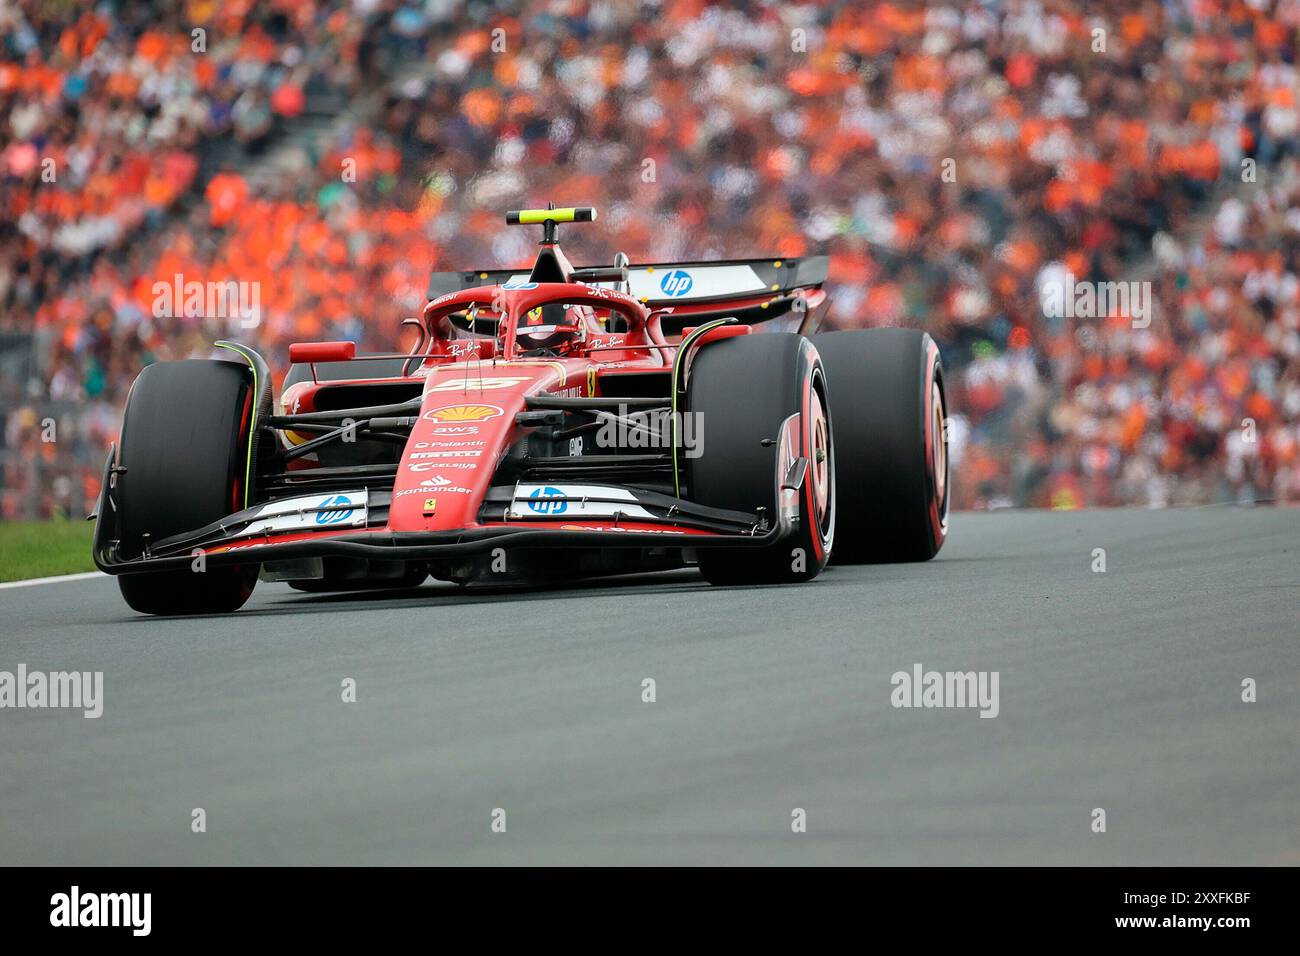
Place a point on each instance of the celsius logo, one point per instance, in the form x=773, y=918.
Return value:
x=677, y=283
x=548, y=501
x=334, y=517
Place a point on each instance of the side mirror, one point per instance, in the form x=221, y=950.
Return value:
x=301, y=353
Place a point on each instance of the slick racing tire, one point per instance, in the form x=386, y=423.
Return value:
x=184, y=451
x=891, y=447
x=763, y=406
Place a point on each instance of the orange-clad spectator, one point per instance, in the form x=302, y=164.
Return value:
x=288, y=100
x=225, y=194
x=1065, y=159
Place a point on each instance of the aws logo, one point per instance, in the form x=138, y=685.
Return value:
x=676, y=283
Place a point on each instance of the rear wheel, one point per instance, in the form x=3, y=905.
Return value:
x=184, y=448
x=764, y=411
x=891, y=443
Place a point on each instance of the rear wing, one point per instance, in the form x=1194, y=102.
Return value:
x=660, y=284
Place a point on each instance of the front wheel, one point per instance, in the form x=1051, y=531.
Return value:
x=767, y=449
x=184, y=451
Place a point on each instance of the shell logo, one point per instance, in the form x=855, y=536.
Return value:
x=463, y=413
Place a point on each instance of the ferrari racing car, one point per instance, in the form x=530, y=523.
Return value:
x=546, y=424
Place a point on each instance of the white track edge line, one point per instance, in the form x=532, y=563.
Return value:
x=29, y=582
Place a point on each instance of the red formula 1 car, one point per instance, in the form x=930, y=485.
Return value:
x=547, y=424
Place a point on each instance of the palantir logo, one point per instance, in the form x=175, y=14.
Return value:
x=334, y=517
x=548, y=501
x=676, y=283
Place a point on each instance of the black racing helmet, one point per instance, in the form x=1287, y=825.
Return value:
x=553, y=327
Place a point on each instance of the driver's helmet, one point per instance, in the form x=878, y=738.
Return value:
x=553, y=327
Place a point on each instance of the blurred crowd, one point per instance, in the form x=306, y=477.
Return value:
x=952, y=160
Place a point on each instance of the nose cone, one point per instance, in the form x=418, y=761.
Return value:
x=466, y=423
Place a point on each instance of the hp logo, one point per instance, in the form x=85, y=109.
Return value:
x=548, y=501
x=334, y=517
x=676, y=283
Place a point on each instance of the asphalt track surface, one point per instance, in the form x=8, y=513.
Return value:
x=1119, y=690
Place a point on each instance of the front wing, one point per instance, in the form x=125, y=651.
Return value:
x=355, y=524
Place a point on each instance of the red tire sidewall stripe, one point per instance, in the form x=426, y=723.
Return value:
x=931, y=360
x=237, y=497
x=810, y=508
